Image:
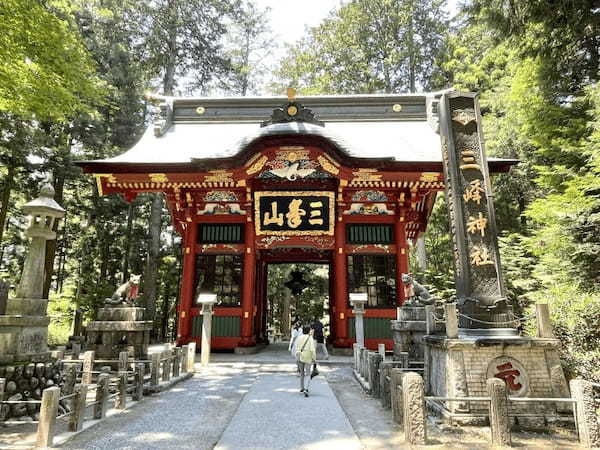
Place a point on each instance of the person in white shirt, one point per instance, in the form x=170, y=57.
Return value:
x=296, y=331
x=306, y=355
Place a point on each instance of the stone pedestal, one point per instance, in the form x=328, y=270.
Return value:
x=119, y=330
x=24, y=331
x=529, y=366
x=408, y=332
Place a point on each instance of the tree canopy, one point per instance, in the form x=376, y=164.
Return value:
x=45, y=70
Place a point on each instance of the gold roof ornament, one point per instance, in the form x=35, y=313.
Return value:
x=291, y=94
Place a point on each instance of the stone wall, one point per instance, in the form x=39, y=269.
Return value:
x=26, y=381
x=530, y=368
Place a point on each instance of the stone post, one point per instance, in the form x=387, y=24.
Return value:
x=451, y=320
x=121, y=402
x=48, y=413
x=78, y=415
x=138, y=392
x=544, y=325
x=4, y=286
x=101, y=396
x=587, y=421
x=385, y=371
x=381, y=350
x=191, y=357
x=358, y=301
x=155, y=369
x=2, y=389
x=374, y=361
x=88, y=367
x=123, y=361
x=364, y=358
x=356, y=352
x=499, y=420
x=70, y=379
x=396, y=395
x=429, y=319
x=403, y=359
x=184, y=358
x=76, y=350
x=164, y=362
x=413, y=399
x=176, y=362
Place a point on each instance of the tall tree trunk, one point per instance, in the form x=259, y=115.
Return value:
x=6, y=197
x=127, y=251
x=151, y=273
x=411, y=49
x=285, y=315
x=59, y=188
x=421, y=253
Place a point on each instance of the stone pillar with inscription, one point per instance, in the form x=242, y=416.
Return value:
x=487, y=344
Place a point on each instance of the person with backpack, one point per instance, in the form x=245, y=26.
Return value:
x=319, y=336
x=306, y=355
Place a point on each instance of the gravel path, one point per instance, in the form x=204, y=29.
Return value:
x=192, y=415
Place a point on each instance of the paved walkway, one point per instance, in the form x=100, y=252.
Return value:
x=275, y=415
x=242, y=401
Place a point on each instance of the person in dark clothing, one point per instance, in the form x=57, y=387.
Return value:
x=319, y=337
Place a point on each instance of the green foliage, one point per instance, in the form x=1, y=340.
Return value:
x=370, y=46
x=536, y=65
x=60, y=311
x=439, y=276
x=45, y=70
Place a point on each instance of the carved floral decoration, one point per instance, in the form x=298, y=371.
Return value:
x=220, y=196
x=373, y=209
x=369, y=196
x=216, y=208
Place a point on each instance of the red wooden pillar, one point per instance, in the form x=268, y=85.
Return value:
x=248, y=286
x=401, y=255
x=341, y=285
x=187, y=283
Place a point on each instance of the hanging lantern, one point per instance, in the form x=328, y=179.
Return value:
x=297, y=284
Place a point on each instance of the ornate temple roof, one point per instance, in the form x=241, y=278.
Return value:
x=401, y=129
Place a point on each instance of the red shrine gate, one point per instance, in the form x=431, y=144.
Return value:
x=349, y=192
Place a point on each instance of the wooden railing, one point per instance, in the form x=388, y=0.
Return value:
x=122, y=380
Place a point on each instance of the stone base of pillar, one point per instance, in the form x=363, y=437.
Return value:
x=23, y=338
x=119, y=330
x=529, y=366
x=408, y=332
x=247, y=342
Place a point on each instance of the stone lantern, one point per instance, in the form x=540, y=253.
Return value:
x=207, y=301
x=43, y=213
x=358, y=301
x=24, y=326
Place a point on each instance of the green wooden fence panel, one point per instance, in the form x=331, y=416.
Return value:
x=222, y=326
x=375, y=328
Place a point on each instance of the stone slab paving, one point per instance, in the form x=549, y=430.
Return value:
x=275, y=415
x=192, y=415
x=275, y=353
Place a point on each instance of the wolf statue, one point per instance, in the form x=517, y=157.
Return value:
x=415, y=293
x=126, y=293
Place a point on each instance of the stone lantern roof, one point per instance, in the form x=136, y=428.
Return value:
x=44, y=204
